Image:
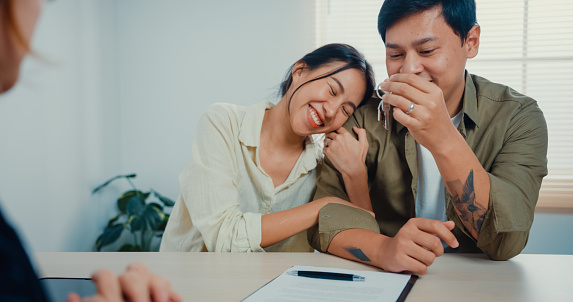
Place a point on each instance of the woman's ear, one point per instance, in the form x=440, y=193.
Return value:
x=298, y=69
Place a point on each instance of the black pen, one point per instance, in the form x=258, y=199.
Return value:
x=327, y=275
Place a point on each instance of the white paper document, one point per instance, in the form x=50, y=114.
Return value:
x=377, y=286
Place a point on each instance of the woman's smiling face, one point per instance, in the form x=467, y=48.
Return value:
x=323, y=105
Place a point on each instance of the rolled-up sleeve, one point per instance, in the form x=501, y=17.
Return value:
x=515, y=178
x=335, y=218
x=209, y=188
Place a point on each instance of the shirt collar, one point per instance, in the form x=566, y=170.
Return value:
x=470, y=106
x=250, y=135
x=250, y=132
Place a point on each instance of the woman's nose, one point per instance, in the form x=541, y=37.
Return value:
x=329, y=109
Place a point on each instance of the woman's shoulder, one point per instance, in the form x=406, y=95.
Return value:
x=225, y=111
x=232, y=114
x=222, y=115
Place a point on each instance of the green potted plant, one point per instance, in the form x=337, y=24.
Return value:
x=143, y=219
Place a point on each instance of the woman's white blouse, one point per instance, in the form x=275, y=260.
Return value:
x=225, y=192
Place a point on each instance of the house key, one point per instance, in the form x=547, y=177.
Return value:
x=383, y=108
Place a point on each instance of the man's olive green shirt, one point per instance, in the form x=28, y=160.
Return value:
x=508, y=134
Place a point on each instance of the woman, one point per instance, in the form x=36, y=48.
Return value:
x=18, y=281
x=252, y=170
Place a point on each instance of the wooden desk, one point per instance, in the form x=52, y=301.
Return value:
x=233, y=276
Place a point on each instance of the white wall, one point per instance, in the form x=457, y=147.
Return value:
x=119, y=90
x=177, y=57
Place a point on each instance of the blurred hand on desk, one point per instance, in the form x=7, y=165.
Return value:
x=137, y=283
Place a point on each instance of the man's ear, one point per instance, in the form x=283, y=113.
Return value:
x=472, y=41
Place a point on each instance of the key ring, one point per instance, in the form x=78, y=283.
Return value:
x=383, y=109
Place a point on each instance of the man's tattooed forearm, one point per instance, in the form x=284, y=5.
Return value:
x=471, y=213
x=357, y=253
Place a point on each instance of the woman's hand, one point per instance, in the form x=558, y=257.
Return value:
x=137, y=283
x=347, y=154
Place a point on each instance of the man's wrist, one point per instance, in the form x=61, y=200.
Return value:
x=379, y=254
x=449, y=145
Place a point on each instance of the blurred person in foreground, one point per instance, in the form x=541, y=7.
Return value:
x=18, y=280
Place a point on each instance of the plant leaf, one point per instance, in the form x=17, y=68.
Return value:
x=153, y=214
x=98, y=242
x=163, y=224
x=123, y=200
x=130, y=248
x=136, y=223
x=166, y=201
x=135, y=206
x=111, y=180
x=109, y=236
x=111, y=221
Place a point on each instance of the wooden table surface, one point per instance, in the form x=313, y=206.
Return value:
x=233, y=276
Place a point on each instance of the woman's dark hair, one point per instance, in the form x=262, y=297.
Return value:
x=331, y=53
x=459, y=14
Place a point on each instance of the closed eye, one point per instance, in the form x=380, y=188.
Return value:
x=426, y=52
x=346, y=111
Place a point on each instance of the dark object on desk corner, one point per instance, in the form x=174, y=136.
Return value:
x=408, y=288
x=58, y=289
x=144, y=219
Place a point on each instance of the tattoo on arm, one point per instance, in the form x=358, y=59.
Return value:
x=357, y=253
x=471, y=213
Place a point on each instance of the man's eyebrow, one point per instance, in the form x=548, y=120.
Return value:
x=425, y=40
x=416, y=43
x=339, y=84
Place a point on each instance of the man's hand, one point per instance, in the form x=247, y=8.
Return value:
x=415, y=246
x=137, y=283
x=429, y=119
x=413, y=249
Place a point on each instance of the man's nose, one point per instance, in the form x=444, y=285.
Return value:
x=411, y=64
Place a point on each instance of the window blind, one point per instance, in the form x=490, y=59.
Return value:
x=525, y=44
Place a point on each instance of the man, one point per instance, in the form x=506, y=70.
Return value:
x=462, y=161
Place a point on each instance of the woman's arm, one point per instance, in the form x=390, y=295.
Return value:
x=279, y=226
x=348, y=155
